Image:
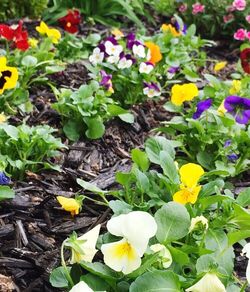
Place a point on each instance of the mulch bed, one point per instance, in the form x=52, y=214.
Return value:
x=33, y=226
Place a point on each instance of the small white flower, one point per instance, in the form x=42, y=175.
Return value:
x=113, y=59
x=124, y=63
x=197, y=220
x=145, y=68
x=246, y=252
x=151, y=92
x=208, y=283
x=113, y=50
x=165, y=255
x=96, y=57
x=139, y=51
x=81, y=287
x=88, y=246
x=135, y=228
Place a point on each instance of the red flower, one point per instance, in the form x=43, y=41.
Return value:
x=245, y=60
x=70, y=21
x=18, y=35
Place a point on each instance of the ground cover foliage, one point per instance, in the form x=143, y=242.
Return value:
x=125, y=150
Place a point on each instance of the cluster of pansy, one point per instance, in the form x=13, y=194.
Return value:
x=127, y=53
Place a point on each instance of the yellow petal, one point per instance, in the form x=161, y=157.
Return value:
x=219, y=66
x=2, y=118
x=42, y=28
x=236, y=87
x=33, y=42
x=3, y=62
x=185, y=92
x=171, y=29
x=221, y=109
x=54, y=34
x=117, y=33
x=69, y=204
x=186, y=195
x=190, y=174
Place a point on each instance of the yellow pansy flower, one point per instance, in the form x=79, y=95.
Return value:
x=117, y=33
x=8, y=76
x=2, y=118
x=185, y=92
x=190, y=174
x=208, y=283
x=219, y=66
x=221, y=109
x=170, y=28
x=33, y=42
x=69, y=204
x=236, y=87
x=155, y=55
x=52, y=33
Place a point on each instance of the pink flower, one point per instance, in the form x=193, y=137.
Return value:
x=248, y=18
x=239, y=4
x=197, y=8
x=183, y=7
x=240, y=34
x=227, y=18
x=248, y=35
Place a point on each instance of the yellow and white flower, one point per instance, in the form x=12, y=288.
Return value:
x=86, y=243
x=96, y=57
x=113, y=50
x=146, y=68
x=195, y=221
x=81, y=287
x=135, y=228
x=139, y=51
x=165, y=256
x=208, y=283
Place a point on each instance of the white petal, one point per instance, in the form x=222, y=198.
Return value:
x=109, y=47
x=96, y=51
x=165, y=255
x=246, y=250
x=115, y=225
x=248, y=272
x=81, y=287
x=208, y=283
x=88, y=247
x=117, y=258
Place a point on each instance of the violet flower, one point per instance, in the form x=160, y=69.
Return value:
x=227, y=143
x=184, y=29
x=239, y=107
x=173, y=70
x=232, y=157
x=201, y=107
x=106, y=81
x=4, y=179
x=151, y=89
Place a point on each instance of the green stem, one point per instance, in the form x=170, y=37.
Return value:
x=65, y=266
x=243, y=288
x=105, y=203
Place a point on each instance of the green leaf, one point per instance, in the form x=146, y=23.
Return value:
x=169, y=168
x=164, y=281
x=71, y=130
x=100, y=270
x=243, y=198
x=173, y=222
x=128, y=118
x=142, y=180
x=58, y=278
x=205, y=263
x=95, y=283
x=208, y=201
x=11, y=131
x=237, y=236
x=178, y=256
x=140, y=158
x=216, y=240
x=119, y=207
x=6, y=193
x=96, y=128
x=29, y=61
x=170, y=107
x=90, y=187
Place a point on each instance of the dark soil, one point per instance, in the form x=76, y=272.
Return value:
x=33, y=226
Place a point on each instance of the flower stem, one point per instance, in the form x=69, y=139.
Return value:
x=67, y=274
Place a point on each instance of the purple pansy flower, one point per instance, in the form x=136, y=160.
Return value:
x=232, y=157
x=173, y=70
x=106, y=80
x=184, y=29
x=4, y=179
x=201, y=107
x=130, y=40
x=227, y=143
x=151, y=89
x=239, y=107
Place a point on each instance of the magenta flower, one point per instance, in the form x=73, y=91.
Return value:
x=230, y=8
x=239, y=107
x=239, y=4
x=228, y=18
x=248, y=18
x=201, y=107
x=183, y=7
x=240, y=34
x=198, y=8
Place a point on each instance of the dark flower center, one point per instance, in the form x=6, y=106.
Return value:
x=2, y=78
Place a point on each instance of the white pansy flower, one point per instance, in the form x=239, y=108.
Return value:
x=96, y=57
x=208, y=283
x=151, y=89
x=139, y=51
x=246, y=252
x=113, y=50
x=197, y=220
x=81, y=287
x=87, y=246
x=165, y=255
x=135, y=228
x=124, y=63
x=113, y=59
x=146, y=68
